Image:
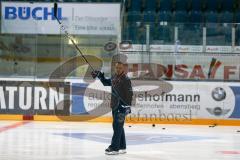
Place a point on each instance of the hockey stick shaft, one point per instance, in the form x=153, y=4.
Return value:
x=70, y=37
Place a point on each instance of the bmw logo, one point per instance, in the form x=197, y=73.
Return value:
x=218, y=94
x=124, y=45
x=217, y=111
x=110, y=46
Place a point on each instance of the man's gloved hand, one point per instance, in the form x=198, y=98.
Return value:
x=127, y=109
x=94, y=74
x=97, y=74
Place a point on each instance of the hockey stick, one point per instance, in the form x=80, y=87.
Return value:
x=69, y=36
x=212, y=64
x=78, y=49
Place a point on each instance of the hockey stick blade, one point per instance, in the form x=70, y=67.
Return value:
x=55, y=9
x=213, y=61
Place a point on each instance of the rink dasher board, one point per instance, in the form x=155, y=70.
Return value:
x=151, y=110
x=214, y=100
x=30, y=97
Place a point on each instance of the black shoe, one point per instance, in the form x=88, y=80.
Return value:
x=110, y=151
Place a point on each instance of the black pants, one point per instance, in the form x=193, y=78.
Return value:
x=118, y=138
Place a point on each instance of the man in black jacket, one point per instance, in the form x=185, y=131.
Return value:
x=121, y=99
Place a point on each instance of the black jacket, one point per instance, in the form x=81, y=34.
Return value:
x=121, y=89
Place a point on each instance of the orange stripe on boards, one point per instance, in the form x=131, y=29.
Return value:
x=133, y=120
x=224, y=122
x=13, y=117
x=12, y=126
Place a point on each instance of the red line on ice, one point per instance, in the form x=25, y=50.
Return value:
x=12, y=126
x=230, y=152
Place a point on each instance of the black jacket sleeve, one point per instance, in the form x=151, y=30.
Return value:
x=105, y=81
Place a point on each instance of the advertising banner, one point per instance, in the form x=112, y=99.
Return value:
x=32, y=98
x=185, y=100
x=80, y=19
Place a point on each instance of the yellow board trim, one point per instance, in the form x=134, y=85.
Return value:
x=86, y=118
x=11, y=117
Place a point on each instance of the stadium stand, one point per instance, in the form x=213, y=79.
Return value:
x=188, y=15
